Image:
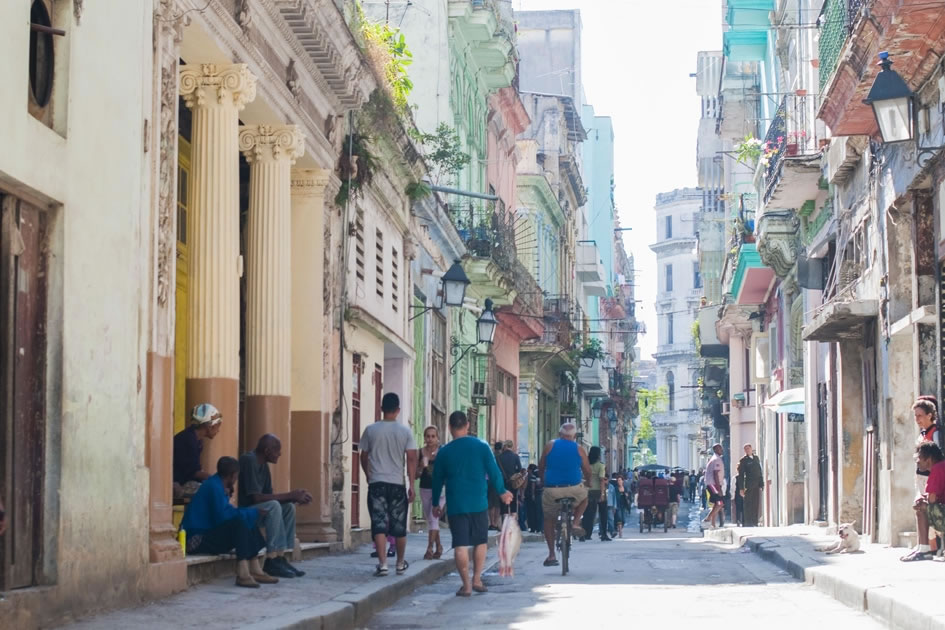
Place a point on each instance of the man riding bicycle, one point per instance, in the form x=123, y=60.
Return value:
x=563, y=466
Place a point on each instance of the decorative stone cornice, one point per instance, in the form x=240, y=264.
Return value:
x=263, y=143
x=327, y=44
x=778, y=241
x=230, y=83
x=171, y=19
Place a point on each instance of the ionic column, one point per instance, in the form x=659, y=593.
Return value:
x=270, y=150
x=215, y=94
x=311, y=416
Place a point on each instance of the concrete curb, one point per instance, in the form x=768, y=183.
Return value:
x=863, y=593
x=355, y=607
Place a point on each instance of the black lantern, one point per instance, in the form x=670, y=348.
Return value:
x=893, y=103
x=487, y=323
x=455, y=282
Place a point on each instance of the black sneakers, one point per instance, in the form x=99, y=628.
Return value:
x=275, y=568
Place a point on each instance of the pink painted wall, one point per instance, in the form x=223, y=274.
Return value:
x=506, y=349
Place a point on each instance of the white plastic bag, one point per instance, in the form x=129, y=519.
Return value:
x=510, y=541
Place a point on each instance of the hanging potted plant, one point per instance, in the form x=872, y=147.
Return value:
x=592, y=352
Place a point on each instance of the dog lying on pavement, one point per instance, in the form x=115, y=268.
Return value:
x=848, y=543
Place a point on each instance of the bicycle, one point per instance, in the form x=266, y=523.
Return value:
x=563, y=539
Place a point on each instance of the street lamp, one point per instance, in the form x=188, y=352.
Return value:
x=487, y=324
x=893, y=103
x=452, y=291
x=894, y=106
x=455, y=282
x=485, y=333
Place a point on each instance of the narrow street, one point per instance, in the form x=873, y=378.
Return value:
x=642, y=580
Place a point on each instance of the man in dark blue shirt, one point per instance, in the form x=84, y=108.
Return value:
x=205, y=421
x=214, y=526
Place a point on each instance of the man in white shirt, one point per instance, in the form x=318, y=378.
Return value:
x=714, y=476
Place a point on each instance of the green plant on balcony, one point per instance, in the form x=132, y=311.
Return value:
x=387, y=54
x=569, y=409
x=592, y=349
x=443, y=149
x=696, y=338
x=749, y=150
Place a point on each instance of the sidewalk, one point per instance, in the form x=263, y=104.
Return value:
x=338, y=591
x=900, y=594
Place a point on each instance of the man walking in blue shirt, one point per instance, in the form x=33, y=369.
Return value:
x=463, y=465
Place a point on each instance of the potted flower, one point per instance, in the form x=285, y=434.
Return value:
x=794, y=140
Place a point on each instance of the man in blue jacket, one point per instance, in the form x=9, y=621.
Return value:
x=214, y=526
x=463, y=465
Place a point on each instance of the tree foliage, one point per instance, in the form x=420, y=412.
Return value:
x=443, y=149
x=650, y=402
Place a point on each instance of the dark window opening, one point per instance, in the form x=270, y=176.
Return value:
x=41, y=55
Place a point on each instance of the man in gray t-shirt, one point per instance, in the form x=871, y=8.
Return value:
x=385, y=446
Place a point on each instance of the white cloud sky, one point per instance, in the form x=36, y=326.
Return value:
x=637, y=57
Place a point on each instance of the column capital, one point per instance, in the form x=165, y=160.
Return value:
x=270, y=143
x=229, y=84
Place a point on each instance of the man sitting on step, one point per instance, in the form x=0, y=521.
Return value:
x=255, y=490
x=214, y=526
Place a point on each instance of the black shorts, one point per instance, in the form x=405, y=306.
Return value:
x=469, y=530
x=715, y=498
x=387, y=505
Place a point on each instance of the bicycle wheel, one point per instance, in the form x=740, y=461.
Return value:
x=566, y=544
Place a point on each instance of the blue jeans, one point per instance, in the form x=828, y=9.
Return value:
x=279, y=523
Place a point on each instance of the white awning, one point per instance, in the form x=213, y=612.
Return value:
x=788, y=401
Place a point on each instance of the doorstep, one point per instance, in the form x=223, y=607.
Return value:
x=203, y=568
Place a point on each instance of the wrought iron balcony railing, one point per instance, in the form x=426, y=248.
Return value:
x=487, y=231
x=837, y=20
x=792, y=132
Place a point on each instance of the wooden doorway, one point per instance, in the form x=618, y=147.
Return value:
x=22, y=389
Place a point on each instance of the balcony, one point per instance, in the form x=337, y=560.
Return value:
x=792, y=150
x=488, y=232
x=910, y=30
x=589, y=266
x=750, y=277
x=594, y=380
x=747, y=36
x=667, y=350
x=488, y=29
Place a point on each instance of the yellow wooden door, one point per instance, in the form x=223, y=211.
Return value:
x=181, y=343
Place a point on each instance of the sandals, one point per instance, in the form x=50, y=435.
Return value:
x=462, y=593
x=380, y=571
x=428, y=555
x=402, y=568
x=550, y=563
x=480, y=589
x=916, y=556
x=438, y=553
